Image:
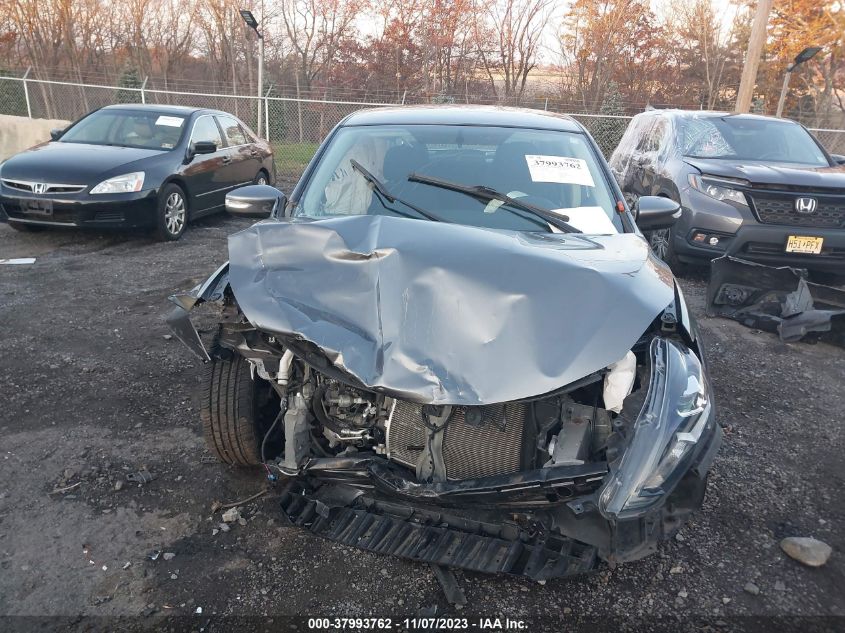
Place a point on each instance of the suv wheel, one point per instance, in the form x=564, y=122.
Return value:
x=661, y=242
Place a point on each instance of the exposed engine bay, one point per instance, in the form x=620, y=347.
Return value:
x=324, y=417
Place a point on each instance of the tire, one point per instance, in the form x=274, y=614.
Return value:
x=26, y=228
x=237, y=411
x=172, y=216
x=662, y=244
x=261, y=178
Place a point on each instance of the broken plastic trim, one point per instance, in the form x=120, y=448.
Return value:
x=776, y=299
x=437, y=537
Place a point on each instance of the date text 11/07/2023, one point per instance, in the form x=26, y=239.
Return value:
x=488, y=625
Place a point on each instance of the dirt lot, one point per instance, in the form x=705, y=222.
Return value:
x=92, y=388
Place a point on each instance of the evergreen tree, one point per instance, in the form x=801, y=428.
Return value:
x=129, y=78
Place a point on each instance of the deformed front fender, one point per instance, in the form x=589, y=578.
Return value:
x=179, y=321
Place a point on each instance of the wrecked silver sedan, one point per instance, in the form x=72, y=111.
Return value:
x=452, y=344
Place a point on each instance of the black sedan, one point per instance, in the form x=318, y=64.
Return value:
x=133, y=166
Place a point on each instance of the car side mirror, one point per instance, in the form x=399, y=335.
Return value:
x=203, y=147
x=839, y=159
x=255, y=201
x=56, y=133
x=656, y=212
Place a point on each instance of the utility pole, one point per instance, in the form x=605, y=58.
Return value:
x=752, y=56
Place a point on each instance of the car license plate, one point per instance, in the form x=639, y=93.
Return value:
x=35, y=206
x=802, y=244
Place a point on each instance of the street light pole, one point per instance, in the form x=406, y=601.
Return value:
x=805, y=55
x=252, y=23
x=260, y=79
x=783, y=89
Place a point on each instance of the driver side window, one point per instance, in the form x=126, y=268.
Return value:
x=206, y=130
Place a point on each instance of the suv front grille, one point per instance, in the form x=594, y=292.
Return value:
x=780, y=209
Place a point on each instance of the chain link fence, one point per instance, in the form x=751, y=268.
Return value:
x=295, y=127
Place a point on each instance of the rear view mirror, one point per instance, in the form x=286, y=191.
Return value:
x=839, y=159
x=255, y=201
x=656, y=212
x=56, y=133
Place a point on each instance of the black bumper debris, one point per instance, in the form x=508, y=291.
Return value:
x=438, y=538
x=776, y=300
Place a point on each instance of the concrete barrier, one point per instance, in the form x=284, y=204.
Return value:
x=17, y=133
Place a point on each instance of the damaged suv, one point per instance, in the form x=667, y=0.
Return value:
x=452, y=344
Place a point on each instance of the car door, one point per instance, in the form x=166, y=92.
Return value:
x=243, y=167
x=205, y=173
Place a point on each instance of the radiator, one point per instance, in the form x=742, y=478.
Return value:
x=479, y=441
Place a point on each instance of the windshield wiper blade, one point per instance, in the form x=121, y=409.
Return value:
x=379, y=188
x=488, y=194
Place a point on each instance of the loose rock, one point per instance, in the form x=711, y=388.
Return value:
x=806, y=550
x=169, y=556
x=231, y=515
x=751, y=588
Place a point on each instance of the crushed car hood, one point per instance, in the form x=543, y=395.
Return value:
x=767, y=173
x=446, y=314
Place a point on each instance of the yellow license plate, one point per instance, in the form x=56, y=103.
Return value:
x=802, y=244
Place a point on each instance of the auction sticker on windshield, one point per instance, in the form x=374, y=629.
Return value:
x=170, y=121
x=562, y=169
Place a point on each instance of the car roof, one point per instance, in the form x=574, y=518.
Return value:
x=463, y=115
x=703, y=114
x=164, y=109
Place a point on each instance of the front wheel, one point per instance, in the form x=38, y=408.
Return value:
x=172, y=215
x=260, y=178
x=238, y=410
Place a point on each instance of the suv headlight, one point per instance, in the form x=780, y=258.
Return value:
x=719, y=188
x=675, y=413
x=125, y=183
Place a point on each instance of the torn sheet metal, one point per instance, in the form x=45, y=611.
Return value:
x=439, y=313
x=211, y=289
x=776, y=299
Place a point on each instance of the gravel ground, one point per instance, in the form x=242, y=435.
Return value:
x=92, y=388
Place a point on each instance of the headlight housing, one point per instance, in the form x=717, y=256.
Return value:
x=125, y=183
x=675, y=413
x=720, y=188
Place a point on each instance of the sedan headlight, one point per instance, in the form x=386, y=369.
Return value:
x=675, y=413
x=125, y=183
x=720, y=189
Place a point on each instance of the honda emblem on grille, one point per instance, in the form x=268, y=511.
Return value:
x=40, y=187
x=806, y=205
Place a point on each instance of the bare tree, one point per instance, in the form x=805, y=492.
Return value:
x=315, y=30
x=513, y=29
